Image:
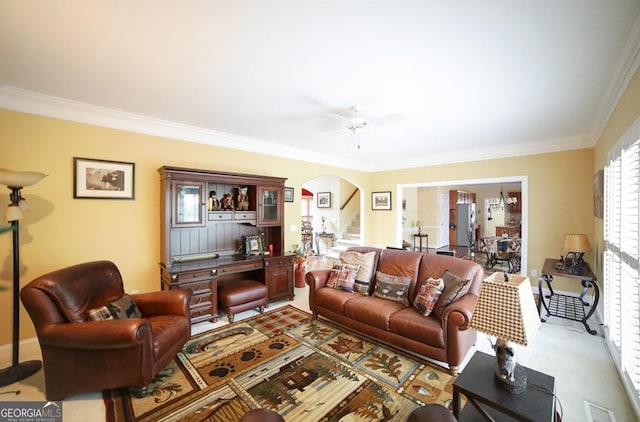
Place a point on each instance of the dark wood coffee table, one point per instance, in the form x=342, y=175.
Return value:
x=484, y=395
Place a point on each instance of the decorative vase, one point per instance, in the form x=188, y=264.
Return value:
x=299, y=276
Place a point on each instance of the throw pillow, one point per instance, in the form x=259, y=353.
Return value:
x=428, y=295
x=365, y=261
x=343, y=277
x=454, y=288
x=392, y=287
x=122, y=308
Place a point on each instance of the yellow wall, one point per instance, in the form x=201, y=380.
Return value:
x=61, y=231
x=560, y=198
x=626, y=112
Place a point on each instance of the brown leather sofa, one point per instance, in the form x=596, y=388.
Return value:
x=446, y=340
x=80, y=355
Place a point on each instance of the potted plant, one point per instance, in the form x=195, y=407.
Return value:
x=300, y=260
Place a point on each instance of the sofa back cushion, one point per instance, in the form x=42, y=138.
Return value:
x=434, y=266
x=376, y=257
x=401, y=263
x=366, y=268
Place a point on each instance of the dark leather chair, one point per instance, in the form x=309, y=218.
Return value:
x=261, y=415
x=431, y=413
x=80, y=355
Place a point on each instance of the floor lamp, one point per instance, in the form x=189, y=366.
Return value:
x=15, y=181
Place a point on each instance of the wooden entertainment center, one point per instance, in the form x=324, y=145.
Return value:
x=205, y=246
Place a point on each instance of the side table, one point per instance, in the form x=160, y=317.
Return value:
x=568, y=306
x=486, y=398
x=419, y=238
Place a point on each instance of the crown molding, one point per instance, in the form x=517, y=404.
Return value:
x=31, y=102
x=17, y=99
x=625, y=71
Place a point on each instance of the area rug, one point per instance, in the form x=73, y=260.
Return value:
x=305, y=369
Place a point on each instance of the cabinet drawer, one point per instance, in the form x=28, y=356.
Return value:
x=201, y=301
x=204, y=312
x=244, y=215
x=198, y=288
x=283, y=261
x=240, y=268
x=194, y=276
x=220, y=216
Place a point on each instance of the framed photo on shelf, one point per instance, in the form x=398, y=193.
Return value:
x=324, y=200
x=288, y=194
x=103, y=179
x=253, y=245
x=381, y=200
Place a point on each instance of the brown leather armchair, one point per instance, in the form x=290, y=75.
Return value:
x=80, y=355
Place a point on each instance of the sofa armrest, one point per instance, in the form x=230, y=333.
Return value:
x=97, y=335
x=459, y=312
x=317, y=279
x=166, y=302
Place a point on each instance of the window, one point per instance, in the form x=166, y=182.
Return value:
x=622, y=257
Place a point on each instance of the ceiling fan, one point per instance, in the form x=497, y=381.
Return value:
x=359, y=124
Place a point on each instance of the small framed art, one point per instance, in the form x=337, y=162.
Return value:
x=324, y=200
x=288, y=194
x=253, y=245
x=381, y=200
x=103, y=179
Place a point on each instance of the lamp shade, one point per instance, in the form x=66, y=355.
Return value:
x=576, y=243
x=506, y=309
x=19, y=179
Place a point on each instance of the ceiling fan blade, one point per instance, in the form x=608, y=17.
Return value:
x=328, y=132
x=337, y=117
x=385, y=120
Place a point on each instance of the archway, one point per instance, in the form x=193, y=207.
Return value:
x=335, y=214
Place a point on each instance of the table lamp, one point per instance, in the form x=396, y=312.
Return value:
x=507, y=311
x=419, y=225
x=15, y=181
x=576, y=245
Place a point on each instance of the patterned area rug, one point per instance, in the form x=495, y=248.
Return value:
x=303, y=368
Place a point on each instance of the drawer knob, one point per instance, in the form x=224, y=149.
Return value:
x=214, y=271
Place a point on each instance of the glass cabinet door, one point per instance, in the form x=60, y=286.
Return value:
x=188, y=204
x=271, y=200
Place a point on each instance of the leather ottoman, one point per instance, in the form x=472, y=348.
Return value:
x=239, y=296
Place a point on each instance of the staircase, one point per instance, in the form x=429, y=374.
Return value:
x=350, y=237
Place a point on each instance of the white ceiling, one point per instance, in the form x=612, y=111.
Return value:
x=472, y=79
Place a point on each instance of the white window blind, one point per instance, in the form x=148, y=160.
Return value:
x=622, y=256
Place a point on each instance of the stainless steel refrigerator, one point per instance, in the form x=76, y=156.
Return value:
x=466, y=226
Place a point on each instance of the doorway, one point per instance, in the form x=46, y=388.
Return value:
x=440, y=225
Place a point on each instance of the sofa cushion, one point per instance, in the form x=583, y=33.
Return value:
x=122, y=308
x=391, y=287
x=333, y=299
x=427, y=296
x=409, y=323
x=366, y=262
x=454, y=288
x=372, y=310
x=343, y=277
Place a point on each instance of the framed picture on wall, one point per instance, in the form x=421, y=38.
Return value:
x=324, y=200
x=381, y=200
x=598, y=194
x=102, y=179
x=288, y=194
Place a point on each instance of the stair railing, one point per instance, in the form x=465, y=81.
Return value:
x=349, y=199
